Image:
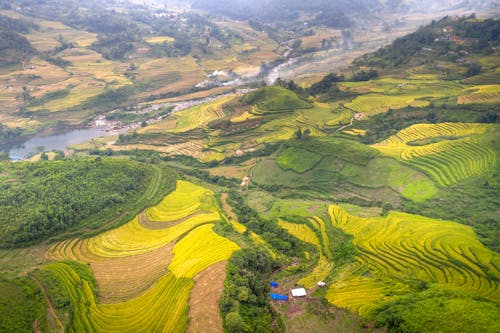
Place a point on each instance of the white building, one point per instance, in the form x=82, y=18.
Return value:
x=299, y=292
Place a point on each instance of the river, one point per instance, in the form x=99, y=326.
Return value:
x=51, y=142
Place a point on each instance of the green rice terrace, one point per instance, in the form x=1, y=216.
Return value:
x=360, y=199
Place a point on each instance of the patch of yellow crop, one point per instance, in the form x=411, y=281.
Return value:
x=169, y=74
x=301, y=231
x=240, y=228
x=355, y=132
x=201, y=248
x=159, y=39
x=356, y=293
x=480, y=94
x=200, y=115
x=184, y=201
x=447, y=152
x=155, y=297
x=76, y=96
x=319, y=273
x=243, y=117
x=411, y=247
x=163, y=308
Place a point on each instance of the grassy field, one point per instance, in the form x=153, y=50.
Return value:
x=341, y=167
x=275, y=99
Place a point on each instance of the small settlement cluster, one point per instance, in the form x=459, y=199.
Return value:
x=295, y=293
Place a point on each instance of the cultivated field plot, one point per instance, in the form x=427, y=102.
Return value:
x=49, y=33
x=301, y=231
x=200, y=115
x=397, y=94
x=162, y=76
x=363, y=171
x=166, y=247
x=483, y=94
x=447, y=152
x=400, y=248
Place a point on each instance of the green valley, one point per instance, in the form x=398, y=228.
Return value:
x=239, y=180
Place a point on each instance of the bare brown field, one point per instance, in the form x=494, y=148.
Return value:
x=124, y=278
x=320, y=34
x=204, y=314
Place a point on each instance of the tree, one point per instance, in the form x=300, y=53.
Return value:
x=234, y=323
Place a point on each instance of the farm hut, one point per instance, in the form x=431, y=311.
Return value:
x=321, y=284
x=278, y=297
x=273, y=284
x=299, y=292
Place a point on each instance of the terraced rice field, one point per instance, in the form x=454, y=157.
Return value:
x=372, y=104
x=201, y=248
x=200, y=115
x=486, y=78
x=319, y=224
x=447, y=152
x=306, y=234
x=397, y=94
x=319, y=273
x=166, y=253
x=166, y=75
x=356, y=293
x=404, y=247
x=301, y=231
x=162, y=308
x=184, y=201
x=488, y=94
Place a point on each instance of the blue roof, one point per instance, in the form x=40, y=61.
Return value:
x=273, y=284
x=278, y=297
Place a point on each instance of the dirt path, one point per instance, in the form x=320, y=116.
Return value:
x=227, y=208
x=356, y=116
x=49, y=303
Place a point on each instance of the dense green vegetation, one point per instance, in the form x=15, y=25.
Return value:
x=438, y=311
x=244, y=303
x=434, y=42
x=22, y=306
x=14, y=47
x=47, y=198
x=270, y=232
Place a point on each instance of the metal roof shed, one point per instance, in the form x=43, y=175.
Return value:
x=299, y=292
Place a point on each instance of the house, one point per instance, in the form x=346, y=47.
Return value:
x=298, y=292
